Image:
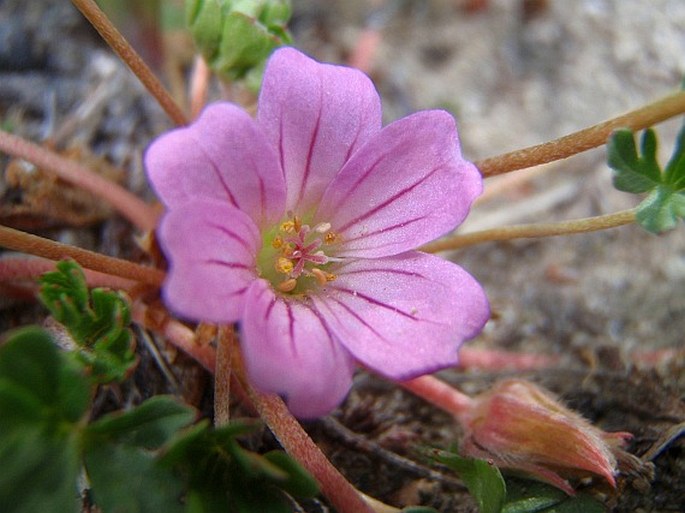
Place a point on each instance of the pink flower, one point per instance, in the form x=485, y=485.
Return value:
x=301, y=225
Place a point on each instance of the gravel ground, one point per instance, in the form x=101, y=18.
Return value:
x=514, y=73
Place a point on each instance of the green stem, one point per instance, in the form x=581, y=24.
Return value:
x=526, y=231
x=585, y=139
x=130, y=206
x=125, y=51
x=32, y=244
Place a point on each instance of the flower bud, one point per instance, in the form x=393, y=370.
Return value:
x=236, y=36
x=520, y=426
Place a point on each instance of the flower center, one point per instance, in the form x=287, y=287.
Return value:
x=293, y=256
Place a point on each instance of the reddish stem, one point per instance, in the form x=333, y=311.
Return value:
x=442, y=395
x=32, y=244
x=130, y=206
x=343, y=496
x=490, y=359
x=175, y=332
x=23, y=268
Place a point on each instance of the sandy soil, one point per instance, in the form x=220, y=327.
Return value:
x=513, y=76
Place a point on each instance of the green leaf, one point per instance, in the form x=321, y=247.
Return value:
x=297, y=481
x=661, y=209
x=524, y=496
x=149, y=425
x=222, y=476
x=43, y=399
x=640, y=173
x=633, y=173
x=127, y=479
x=237, y=36
x=483, y=480
x=674, y=173
x=124, y=467
x=97, y=321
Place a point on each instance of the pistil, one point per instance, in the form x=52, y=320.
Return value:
x=300, y=253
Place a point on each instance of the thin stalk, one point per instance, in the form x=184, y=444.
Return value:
x=30, y=268
x=585, y=139
x=33, y=245
x=222, y=376
x=130, y=206
x=125, y=51
x=178, y=334
x=537, y=230
x=440, y=394
x=343, y=496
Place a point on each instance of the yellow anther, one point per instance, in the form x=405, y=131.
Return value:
x=319, y=275
x=287, y=226
x=287, y=285
x=297, y=224
x=277, y=243
x=330, y=277
x=331, y=238
x=284, y=265
x=287, y=250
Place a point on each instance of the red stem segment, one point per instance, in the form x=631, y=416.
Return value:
x=440, y=394
x=130, y=206
x=33, y=245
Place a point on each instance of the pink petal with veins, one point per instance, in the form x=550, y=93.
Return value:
x=403, y=316
x=211, y=248
x=405, y=187
x=315, y=116
x=289, y=351
x=223, y=155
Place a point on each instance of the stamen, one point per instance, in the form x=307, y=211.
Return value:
x=287, y=285
x=288, y=227
x=319, y=275
x=331, y=238
x=277, y=243
x=284, y=265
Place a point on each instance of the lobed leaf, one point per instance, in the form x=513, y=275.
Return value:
x=97, y=321
x=640, y=173
x=43, y=399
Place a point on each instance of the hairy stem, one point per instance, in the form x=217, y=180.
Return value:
x=32, y=244
x=585, y=139
x=440, y=394
x=30, y=268
x=222, y=376
x=527, y=231
x=178, y=334
x=343, y=496
x=130, y=206
x=125, y=51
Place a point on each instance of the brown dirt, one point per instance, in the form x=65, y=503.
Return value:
x=513, y=78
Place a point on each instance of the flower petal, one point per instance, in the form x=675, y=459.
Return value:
x=315, y=115
x=289, y=351
x=211, y=247
x=407, y=186
x=405, y=315
x=222, y=155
